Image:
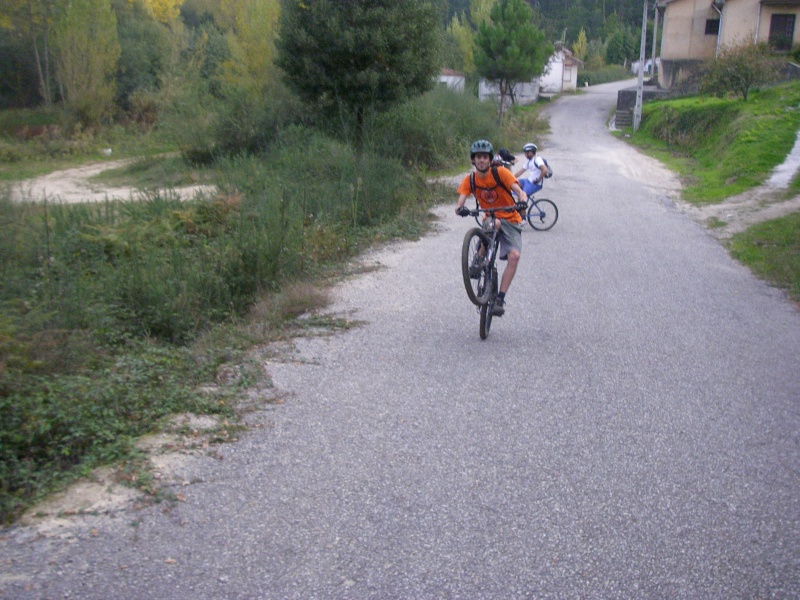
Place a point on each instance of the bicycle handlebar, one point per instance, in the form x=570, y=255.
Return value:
x=518, y=206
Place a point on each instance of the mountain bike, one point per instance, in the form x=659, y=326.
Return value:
x=540, y=214
x=478, y=265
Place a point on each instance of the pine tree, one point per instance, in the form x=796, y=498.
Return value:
x=510, y=48
x=85, y=37
x=358, y=55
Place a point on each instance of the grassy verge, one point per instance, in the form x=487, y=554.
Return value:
x=605, y=74
x=722, y=146
x=524, y=124
x=156, y=171
x=35, y=142
x=114, y=316
x=772, y=250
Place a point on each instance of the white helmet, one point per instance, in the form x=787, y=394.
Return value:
x=529, y=147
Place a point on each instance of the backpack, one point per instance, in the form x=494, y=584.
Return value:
x=497, y=180
x=549, y=173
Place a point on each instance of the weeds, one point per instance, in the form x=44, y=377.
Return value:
x=772, y=250
x=722, y=146
x=115, y=315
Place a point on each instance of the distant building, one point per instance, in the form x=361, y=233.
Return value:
x=452, y=79
x=695, y=31
x=560, y=74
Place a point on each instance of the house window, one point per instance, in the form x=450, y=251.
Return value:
x=781, y=32
x=712, y=26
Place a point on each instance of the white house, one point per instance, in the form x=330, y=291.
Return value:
x=452, y=79
x=561, y=73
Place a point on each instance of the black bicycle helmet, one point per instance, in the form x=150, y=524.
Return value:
x=481, y=146
x=504, y=154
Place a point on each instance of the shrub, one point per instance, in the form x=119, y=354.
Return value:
x=434, y=130
x=604, y=74
x=738, y=70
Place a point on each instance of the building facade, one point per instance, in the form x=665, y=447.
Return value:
x=695, y=31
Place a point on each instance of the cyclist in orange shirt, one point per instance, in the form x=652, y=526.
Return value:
x=493, y=187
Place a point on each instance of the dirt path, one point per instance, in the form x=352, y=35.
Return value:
x=73, y=185
x=739, y=212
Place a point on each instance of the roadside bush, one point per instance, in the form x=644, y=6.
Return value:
x=690, y=123
x=250, y=120
x=739, y=70
x=433, y=131
x=605, y=74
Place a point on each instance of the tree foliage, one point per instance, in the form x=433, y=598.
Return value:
x=163, y=11
x=738, y=70
x=145, y=48
x=622, y=47
x=510, y=48
x=581, y=46
x=352, y=57
x=85, y=38
x=463, y=37
x=252, y=43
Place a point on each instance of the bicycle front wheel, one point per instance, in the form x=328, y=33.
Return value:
x=486, y=319
x=486, y=309
x=473, y=254
x=542, y=214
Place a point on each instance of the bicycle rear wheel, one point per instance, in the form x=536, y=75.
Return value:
x=542, y=214
x=474, y=241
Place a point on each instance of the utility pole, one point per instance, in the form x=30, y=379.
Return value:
x=654, y=71
x=637, y=111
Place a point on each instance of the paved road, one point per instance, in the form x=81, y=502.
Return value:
x=629, y=430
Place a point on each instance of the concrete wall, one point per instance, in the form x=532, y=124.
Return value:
x=454, y=82
x=524, y=93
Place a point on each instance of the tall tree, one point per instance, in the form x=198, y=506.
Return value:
x=464, y=38
x=85, y=37
x=33, y=20
x=580, y=47
x=358, y=55
x=252, y=43
x=510, y=48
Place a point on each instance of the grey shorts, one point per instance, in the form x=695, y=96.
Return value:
x=510, y=237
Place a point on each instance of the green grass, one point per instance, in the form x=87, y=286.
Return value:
x=772, y=250
x=27, y=151
x=523, y=124
x=115, y=315
x=158, y=171
x=722, y=146
x=605, y=74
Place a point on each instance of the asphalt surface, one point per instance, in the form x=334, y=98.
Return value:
x=629, y=429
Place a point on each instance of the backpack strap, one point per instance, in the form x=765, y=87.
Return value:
x=497, y=180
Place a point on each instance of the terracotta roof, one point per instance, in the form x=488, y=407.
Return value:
x=450, y=73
